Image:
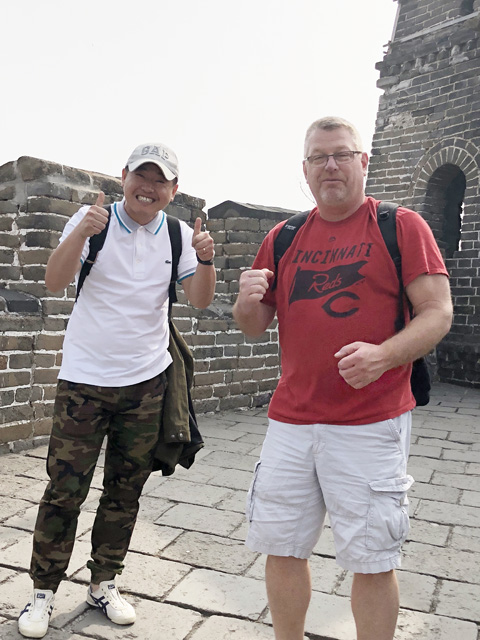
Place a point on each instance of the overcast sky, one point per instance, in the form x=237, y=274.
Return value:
x=231, y=86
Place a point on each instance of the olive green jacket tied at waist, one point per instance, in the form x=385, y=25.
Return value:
x=180, y=438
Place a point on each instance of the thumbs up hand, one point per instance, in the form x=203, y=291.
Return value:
x=95, y=219
x=202, y=242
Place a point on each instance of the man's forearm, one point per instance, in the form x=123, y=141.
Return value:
x=253, y=318
x=433, y=312
x=200, y=288
x=419, y=337
x=64, y=262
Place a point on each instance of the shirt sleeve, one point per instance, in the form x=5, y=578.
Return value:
x=264, y=260
x=70, y=226
x=418, y=247
x=187, y=265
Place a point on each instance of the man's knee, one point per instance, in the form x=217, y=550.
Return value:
x=375, y=580
x=284, y=567
x=286, y=560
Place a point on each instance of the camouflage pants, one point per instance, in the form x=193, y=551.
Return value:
x=83, y=416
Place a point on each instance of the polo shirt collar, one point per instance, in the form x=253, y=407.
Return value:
x=130, y=225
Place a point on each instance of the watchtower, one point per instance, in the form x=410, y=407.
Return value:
x=426, y=152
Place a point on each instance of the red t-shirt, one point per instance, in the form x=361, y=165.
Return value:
x=337, y=284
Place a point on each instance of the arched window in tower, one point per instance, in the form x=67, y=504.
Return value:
x=444, y=203
x=466, y=7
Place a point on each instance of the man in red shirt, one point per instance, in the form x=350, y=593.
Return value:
x=340, y=418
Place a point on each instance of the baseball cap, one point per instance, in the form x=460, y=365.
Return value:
x=156, y=153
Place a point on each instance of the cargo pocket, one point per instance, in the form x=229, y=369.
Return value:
x=251, y=493
x=387, y=520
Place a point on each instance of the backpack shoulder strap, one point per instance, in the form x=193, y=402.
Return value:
x=175, y=235
x=96, y=243
x=285, y=238
x=387, y=223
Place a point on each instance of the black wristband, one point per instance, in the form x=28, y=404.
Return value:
x=208, y=263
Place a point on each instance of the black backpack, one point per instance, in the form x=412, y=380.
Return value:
x=386, y=218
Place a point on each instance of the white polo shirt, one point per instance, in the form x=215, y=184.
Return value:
x=118, y=331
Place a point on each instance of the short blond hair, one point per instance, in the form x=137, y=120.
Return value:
x=328, y=124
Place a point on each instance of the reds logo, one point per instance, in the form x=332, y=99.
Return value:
x=310, y=285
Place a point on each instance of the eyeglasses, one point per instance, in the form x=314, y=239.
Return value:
x=341, y=157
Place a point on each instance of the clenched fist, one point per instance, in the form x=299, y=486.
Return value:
x=253, y=285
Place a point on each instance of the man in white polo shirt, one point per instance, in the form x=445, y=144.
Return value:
x=112, y=378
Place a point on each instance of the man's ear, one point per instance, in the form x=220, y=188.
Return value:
x=305, y=169
x=364, y=163
x=124, y=175
x=174, y=191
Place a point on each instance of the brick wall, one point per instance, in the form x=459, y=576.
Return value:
x=427, y=142
x=427, y=15
x=36, y=199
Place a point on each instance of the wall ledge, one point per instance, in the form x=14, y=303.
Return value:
x=18, y=302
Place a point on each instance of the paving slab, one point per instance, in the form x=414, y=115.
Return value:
x=256, y=438
x=459, y=600
x=217, y=592
x=470, y=498
x=232, y=478
x=445, y=513
x=211, y=552
x=11, y=507
x=218, y=628
x=29, y=488
x=150, y=538
x=442, y=562
x=423, y=626
x=437, y=464
x=229, y=446
x=473, y=468
x=155, y=621
x=235, y=501
x=9, y=536
x=19, y=464
x=190, y=492
x=429, y=532
x=228, y=460
x=457, y=480
x=467, y=538
x=464, y=456
x=198, y=518
x=6, y=574
x=443, y=443
x=434, y=492
x=326, y=545
x=419, y=471
x=9, y=631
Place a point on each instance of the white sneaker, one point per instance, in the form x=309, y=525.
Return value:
x=108, y=599
x=33, y=620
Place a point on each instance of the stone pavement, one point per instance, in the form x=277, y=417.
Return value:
x=189, y=575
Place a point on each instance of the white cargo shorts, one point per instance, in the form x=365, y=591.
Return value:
x=356, y=473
